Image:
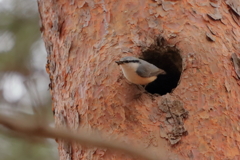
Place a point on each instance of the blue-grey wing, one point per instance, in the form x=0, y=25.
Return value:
x=146, y=69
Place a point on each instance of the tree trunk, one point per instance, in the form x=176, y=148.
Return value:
x=191, y=39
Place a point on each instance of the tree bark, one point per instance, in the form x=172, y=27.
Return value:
x=84, y=38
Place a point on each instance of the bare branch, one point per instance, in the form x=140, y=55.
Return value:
x=33, y=128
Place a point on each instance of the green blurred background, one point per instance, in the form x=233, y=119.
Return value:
x=23, y=79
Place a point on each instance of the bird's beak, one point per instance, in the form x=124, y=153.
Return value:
x=118, y=62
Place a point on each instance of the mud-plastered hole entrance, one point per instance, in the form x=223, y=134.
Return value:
x=166, y=58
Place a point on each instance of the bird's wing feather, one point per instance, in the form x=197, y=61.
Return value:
x=148, y=70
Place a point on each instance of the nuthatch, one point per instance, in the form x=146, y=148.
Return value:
x=138, y=71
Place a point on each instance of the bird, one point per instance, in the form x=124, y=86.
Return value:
x=138, y=71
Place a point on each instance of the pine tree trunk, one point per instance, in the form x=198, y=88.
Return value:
x=191, y=39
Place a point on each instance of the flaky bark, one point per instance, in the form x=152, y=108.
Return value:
x=84, y=38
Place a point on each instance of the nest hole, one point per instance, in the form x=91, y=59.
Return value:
x=168, y=59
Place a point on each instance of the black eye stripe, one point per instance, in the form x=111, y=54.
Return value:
x=130, y=61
